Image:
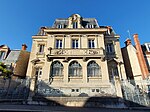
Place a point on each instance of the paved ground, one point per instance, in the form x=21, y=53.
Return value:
x=34, y=108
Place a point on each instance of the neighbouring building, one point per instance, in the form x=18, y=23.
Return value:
x=137, y=62
x=76, y=57
x=15, y=60
x=146, y=50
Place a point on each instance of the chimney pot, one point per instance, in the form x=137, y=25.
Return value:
x=24, y=47
x=128, y=42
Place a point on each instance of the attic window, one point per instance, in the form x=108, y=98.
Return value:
x=75, y=25
x=149, y=47
x=2, y=54
x=60, y=26
x=90, y=26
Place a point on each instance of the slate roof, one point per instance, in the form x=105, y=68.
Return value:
x=13, y=56
x=85, y=22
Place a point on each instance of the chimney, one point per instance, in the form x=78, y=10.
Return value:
x=24, y=47
x=128, y=42
x=140, y=56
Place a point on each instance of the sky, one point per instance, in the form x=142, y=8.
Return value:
x=21, y=19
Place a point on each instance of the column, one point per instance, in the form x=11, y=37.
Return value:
x=65, y=72
x=84, y=71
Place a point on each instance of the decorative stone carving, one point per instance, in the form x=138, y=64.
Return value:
x=84, y=59
x=60, y=52
x=91, y=52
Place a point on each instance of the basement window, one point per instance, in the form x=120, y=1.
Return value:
x=72, y=90
x=93, y=90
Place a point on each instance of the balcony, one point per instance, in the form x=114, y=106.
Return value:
x=83, y=53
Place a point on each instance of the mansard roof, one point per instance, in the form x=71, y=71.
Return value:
x=84, y=22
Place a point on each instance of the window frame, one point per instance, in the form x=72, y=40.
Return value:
x=75, y=25
x=75, y=69
x=2, y=55
x=91, y=43
x=41, y=48
x=60, y=43
x=75, y=43
x=60, y=26
x=93, y=69
x=38, y=72
x=56, y=69
x=109, y=48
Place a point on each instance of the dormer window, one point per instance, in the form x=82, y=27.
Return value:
x=60, y=26
x=2, y=55
x=149, y=47
x=90, y=26
x=75, y=25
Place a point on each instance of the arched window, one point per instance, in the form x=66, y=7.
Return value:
x=56, y=69
x=75, y=69
x=93, y=69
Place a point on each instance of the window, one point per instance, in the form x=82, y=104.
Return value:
x=113, y=70
x=77, y=90
x=56, y=69
x=38, y=73
x=75, y=69
x=43, y=32
x=58, y=44
x=74, y=90
x=2, y=54
x=41, y=48
x=74, y=44
x=93, y=90
x=109, y=48
x=90, y=26
x=93, y=69
x=91, y=43
x=75, y=25
x=149, y=47
x=60, y=26
x=97, y=90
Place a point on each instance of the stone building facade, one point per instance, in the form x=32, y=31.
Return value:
x=76, y=57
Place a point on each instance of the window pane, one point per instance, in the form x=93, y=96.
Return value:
x=93, y=44
x=41, y=49
x=90, y=44
x=57, y=43
x=2, y=54
x=76, y=43
x=60, y=44
x=73, y=44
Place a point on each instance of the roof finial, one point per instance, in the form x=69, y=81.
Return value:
x=129, y=34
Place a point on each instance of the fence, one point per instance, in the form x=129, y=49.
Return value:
x=18, y=89
x=14, y=89
x=136, y=91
